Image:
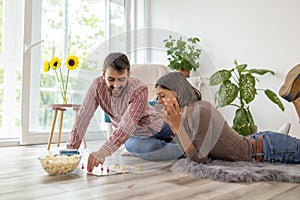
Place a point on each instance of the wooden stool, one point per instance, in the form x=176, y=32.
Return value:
x=62, y=108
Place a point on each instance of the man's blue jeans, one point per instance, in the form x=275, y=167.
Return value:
x=278, y=147
x=158, y=147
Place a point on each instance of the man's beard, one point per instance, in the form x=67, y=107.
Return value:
x=116, y=92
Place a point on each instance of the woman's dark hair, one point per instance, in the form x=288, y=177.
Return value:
x=177, y=82
x=118, y=61
x=197, y=92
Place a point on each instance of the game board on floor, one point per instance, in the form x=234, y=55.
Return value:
x=104, y=170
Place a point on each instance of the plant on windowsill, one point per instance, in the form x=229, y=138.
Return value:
x=183, y=55
x=240, y=83
x=55, y=63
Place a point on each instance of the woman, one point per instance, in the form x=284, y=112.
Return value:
x=202, y=131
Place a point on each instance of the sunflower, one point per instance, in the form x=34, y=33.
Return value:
x=46, y=66
x=72, y=62
x=55, y=63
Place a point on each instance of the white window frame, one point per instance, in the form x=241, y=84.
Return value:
x=28, y=78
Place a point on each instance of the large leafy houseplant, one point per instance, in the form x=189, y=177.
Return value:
x=183, y=55
x=240, y=83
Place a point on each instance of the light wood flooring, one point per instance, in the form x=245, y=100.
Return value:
x=22, y=177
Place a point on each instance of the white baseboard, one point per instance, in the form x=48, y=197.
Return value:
x=9, y=142
x=39, y=138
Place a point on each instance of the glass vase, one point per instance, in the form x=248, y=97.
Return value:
x=64, y=96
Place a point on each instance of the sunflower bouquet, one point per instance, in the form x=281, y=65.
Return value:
x=55, y=63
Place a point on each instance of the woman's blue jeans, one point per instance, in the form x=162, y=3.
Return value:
x=278, y=147
x=158, y=147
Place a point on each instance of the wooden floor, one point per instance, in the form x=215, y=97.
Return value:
x=22, y=177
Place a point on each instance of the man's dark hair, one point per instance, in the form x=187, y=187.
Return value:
x=118, y=61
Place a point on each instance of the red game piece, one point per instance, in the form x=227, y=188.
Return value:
x=82, y=166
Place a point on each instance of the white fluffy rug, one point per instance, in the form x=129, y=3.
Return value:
x=227, y=171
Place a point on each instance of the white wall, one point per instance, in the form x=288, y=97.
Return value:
x=260, y=33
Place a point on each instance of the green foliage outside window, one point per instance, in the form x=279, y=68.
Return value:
x=86, y=31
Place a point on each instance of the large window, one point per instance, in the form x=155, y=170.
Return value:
x=70, y=28
x=88, y=29
x=63, y=28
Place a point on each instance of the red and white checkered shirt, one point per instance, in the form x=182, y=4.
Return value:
x=130, y=114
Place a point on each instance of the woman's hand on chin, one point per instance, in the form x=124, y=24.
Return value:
x=172, y=114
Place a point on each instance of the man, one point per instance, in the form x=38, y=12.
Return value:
x=125, y=100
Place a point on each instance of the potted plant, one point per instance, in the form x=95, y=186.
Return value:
x=240, y=83
x=183, y=55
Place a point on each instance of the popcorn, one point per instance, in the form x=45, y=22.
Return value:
x=60, y=164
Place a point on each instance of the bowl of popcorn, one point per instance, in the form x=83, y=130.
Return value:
x=60, y=164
